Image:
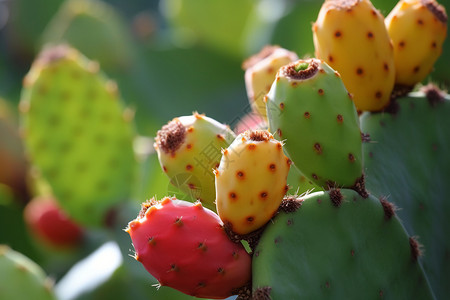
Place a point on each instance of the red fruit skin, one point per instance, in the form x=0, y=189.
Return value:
x=50, y=224
x=184, y=246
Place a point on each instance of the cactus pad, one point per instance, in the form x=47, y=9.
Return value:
x=21, y=278
x=338, y=245
x=408, y=158
x=77, y=134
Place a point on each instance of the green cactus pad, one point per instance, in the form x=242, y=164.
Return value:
x=408, y=160
x=77, y=134
x=338, y=245
x=310, y=109
x=96, y=29
x=21, y=278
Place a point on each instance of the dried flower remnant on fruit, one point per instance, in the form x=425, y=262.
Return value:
x=300, y=70
x=171, y=136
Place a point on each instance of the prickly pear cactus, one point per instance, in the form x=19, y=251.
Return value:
x=338, y=245
x=408, y=161
x=310, y=109
x=77, y=134
x=352, y=38
x=418, y=29
x=21, y=278
x=185, y=247
x=188, y=150
x=251, y=181
x=106, y=30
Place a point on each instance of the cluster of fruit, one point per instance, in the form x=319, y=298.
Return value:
x=309, y=110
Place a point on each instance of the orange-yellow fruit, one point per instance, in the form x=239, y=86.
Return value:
x=418, y=29
x=260, y=71
x=351, y=37
x=251, y=181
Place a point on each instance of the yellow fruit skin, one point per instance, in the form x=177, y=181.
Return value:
x=352, y=38
x=417, y=36
x=250, y=182
x=260, y=76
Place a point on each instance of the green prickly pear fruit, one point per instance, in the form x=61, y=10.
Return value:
x=21, y=278
x=418, y=29
x=310, y=109
x=189, y=149
x=352, y=38
x=77, y=134
x=260, y=71
x=338, y=245
x=251, y=181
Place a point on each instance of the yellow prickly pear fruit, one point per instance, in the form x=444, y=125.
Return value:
x=351, y=37
x=251, y=181
x=260, y=71
x=418, y=29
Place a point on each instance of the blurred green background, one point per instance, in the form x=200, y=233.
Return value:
x=169, y=58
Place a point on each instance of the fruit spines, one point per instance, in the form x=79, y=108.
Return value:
x=418, y=29
x=251, y=181
x=352, y=38
x=189, y=148
x=310, y=109
x=77, y=134
x=260, y=71
x=184, y=246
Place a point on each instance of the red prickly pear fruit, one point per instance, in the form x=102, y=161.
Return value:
x=50, y=224
x=184, y=246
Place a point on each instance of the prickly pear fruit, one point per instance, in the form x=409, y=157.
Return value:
x=188, y=149
x=260, y=71
x=21, y=278
x=77, y=134
x=310, y=109
x=251, y=181
x=351, y=37
x=418, y=29
x=338, y=245
x=184, y=246
x=50, y=224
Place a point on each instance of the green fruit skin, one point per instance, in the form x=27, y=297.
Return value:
x=190, y=167
x=319, y=124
